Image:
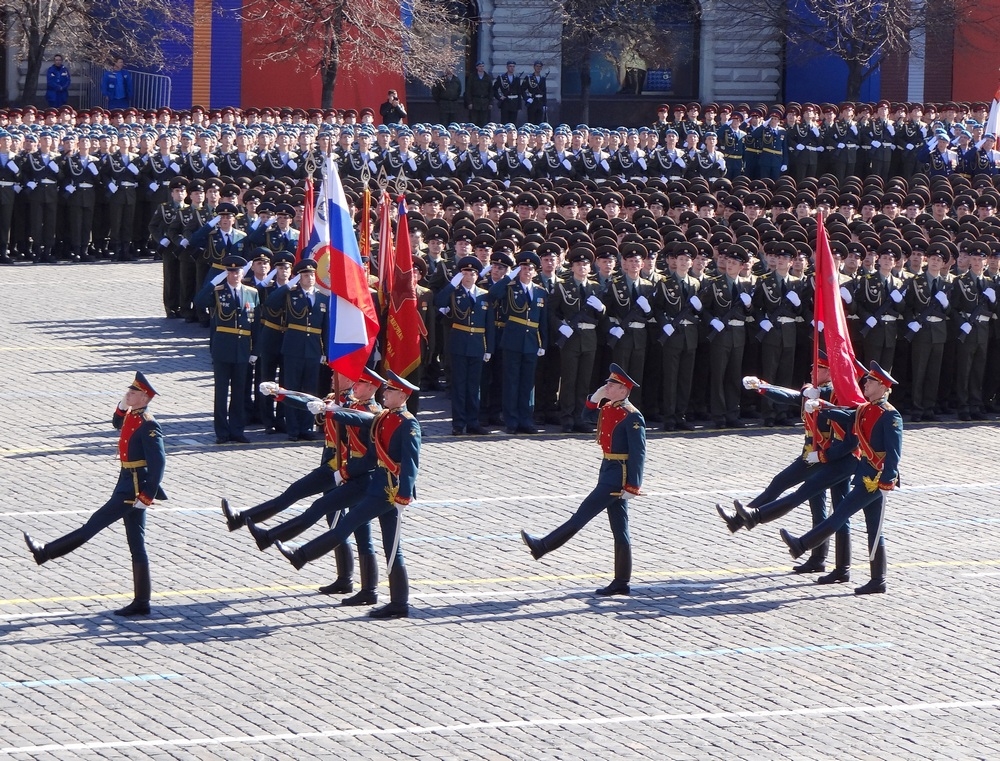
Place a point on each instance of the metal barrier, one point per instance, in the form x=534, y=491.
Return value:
x=149, y=91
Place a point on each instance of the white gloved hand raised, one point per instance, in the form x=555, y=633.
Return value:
x=643, y=304
x=456, y=280
x=214, y=221
x=845, y=294
x=598, y=395
x=595, y=303
x=514, y=272
x=793, y=297
x=745, y=298
x=219, y=278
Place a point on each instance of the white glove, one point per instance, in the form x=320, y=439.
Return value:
x=914, y=326
x=292, y=165
x=942, y=298
x=841, y=145
x=541, y=352
x=812, y=405
x=214, y=220
x=766, y=325
x=567, y=163
x=514, y=272
x=293, y=281
x=12, y=166
x=485, y=270
x=988, y=293
x=269, y=277
x=184, y=243
x=112, y=186
x=17, y=188
x=846, y=294
x=566, y=330
x=909, y=146
x=316, y=406
x=154, y=186
x=93, y=169
x=812, y=458
x=175, y=167
x=784, y=167
x=696, y=303
x=337, y=478
x=53, y=166
x=876, y=144
x=668, y=329
x=643, y=303
x=871, y=322
x=251, y=166
x=131, y=167
x=896, y=296
x=444, y=310
x=965, y=327
x=213, y=169
x=819, y=325
x=31, y=185
x=751, y=382
x=794, y=298
x=811, y=392
x=487, y=357
x=70, y=189
x=799, y=147
x=164, y=242
x=219, y=278
x=717, y=324
x=246, y=269
x=456, y=279
x=617, y=332
x=745, y=298
x=595, y=303
x=253, y=359
x=598, y=395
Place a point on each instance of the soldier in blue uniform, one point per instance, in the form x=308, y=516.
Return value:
x=269, y=339
x=621, y=433
x=533, y=89
x=395, y=437
x=234, y=311
x=770, y=137
x=879, y=431
x=303, y=348
x=470, y=340
x=10, y=175
x=507, y=92
x=143, y=459
x=523, y=340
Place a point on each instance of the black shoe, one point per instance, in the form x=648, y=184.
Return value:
x=495, y=420
x=511, y=430
x=736, y=424
x=568, y=428
x=583, y=428
x=836, y=576
x=477, y=430
x=240, y=439
x=964, y=416
x=260, y=535
x=293, y=438
x=668, y=427
x=733, y=521
x=614, y=588
x=719, y=425
x=457, y=432
x=684, y=425
x=292, y=555
x=769, y=422
x=750, y=516
x=871, y=588
x=338, y=587
x=37, y=550
x=528, y=429
x=392, y=610
x=931, y=418
x=533, y=544
x=233, y=520
x=270, y=430
x=916, y=418
x=222, y=440
x=795, y=548
x=977, y=416
x=308, y=436
x=364, y=597
x=810, y=566
x=134, y=608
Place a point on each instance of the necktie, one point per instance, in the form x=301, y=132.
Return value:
x=236, y=295
x=582, y=293
x=684, y=289
x=782, y=288
x=733, y=291
x=635, y=292
x=225, y=241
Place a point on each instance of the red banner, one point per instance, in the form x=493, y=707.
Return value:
x=404, y=327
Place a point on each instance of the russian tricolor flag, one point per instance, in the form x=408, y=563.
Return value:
x=353, y=317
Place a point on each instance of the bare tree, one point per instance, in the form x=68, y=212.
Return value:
x=323, y=36
x=95, y=30
x=619, y=31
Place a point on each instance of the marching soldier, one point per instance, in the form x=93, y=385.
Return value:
x=621, y=433
x=143, y=459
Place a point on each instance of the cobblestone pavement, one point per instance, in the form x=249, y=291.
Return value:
x=720, y=653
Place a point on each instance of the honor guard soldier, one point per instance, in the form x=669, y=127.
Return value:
x=143, y=459
x=621, y=434
x=217, y=239
x=726, y=300
x=80, y=178
x=878, y=302
x=731, y=142
x=533, y=90
x=303, y=348
x=10, y=175
x=879, y=134
x=523, y=341
x=879, y=431
x=771, y=137
x=234, y=311
x=395, y=437
x=342, y=477
x=576, y=312
x=507, y=93
x=42, y=175
x=164, y=229
x=708, y=163
x=927, y=308
x=778, y=307
x=973, y=299
x=556, y=161
x=470, y=341
x=159, y=171
x=629, y=312
x=676, y=306
x=269, y=340
x=121, y=178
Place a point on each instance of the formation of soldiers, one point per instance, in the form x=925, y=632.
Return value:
x=591, y=245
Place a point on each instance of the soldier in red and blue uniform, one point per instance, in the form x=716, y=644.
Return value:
x=342, y=478
x=395, y=436
x=143, y=459
x=878, y=427
x=827, y=462
x=621, y=432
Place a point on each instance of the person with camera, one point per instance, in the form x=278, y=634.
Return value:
x=392, y=110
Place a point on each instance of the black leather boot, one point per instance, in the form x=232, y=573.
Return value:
x=37, y=550
x=552, y=541
x=293, y=554
x=57, y=547
x=623, y=572
x=533, y=543
x=368, y=566
x=733, y=520
x=142, y=585
x=842, y=553
x=260, y=535
x=749, y=515
x=795, y=547
x=344, y=582
x=233, y=519
x=878, y=568
x=399, y=596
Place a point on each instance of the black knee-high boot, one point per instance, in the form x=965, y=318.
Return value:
x=345, y=571
x=623, y=572
x=399, y=595
x=142, y=584
x=368, y=565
